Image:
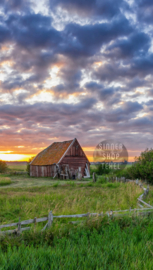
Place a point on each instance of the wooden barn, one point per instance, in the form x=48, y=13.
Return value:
x=65, y=160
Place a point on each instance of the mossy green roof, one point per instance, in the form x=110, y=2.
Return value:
x=51, y=154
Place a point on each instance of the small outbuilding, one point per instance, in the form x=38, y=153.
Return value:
x=65, y=160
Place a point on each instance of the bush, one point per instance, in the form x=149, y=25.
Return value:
x=143, y=167
x=93, y=168
x=103, y=169
x=123, y=173
x=3, y=166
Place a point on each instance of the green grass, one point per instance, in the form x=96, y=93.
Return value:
x=97, y=243
x=70, y=198
x=117, y=244
x=149, y=198
x=4, y=181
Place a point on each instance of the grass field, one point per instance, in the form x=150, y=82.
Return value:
x=70, y=198
x=114, y=244
x=18, y=168
x=95, y=244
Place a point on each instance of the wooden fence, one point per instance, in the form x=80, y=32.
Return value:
x=140, y=211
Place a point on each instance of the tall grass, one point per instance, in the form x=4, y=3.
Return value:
x=118, y=244
x=33, y=202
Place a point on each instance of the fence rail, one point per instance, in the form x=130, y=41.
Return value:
x=140, y=211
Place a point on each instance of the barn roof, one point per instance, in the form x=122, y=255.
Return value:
x=52, y=154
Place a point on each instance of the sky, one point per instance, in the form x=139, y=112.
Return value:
x=75, y=69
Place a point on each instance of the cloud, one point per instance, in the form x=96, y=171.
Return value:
x=5, y=34
x=88, y=39
x=106, y=8
x=15, y=5
x=125, y=112
x=33, y=31
x=144, y=11
x=84, y=71
x=136, y=44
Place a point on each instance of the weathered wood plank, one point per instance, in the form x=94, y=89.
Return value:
x=145, y=203
x=140, y=205
x=8, y=225
x=41, y=219
x=24, y=222
x=72, y=216
x=45, y=227
x=15, y=230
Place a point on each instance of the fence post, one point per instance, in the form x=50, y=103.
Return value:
x=19, y=227
x=35, y=221
x=50, y=219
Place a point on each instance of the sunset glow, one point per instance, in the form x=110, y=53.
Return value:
x=14, y=157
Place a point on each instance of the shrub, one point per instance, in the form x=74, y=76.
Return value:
x=93, y=168
x=143, y=167
x=123, y=173
x=103, y=169
x=3, y=166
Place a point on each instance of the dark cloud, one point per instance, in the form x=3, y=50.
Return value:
x=88, y=39
x=93, y=86
x=136, y=44
x=106, y=8
x=145, y=3
x=125, y=112
x=106, y=93
x=136, y=67
x=14, y=81
x=144, y=11
x=16, y=5
x=5, y=34
x=33, y=31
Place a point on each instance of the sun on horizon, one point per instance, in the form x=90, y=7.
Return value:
x=15, y=157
